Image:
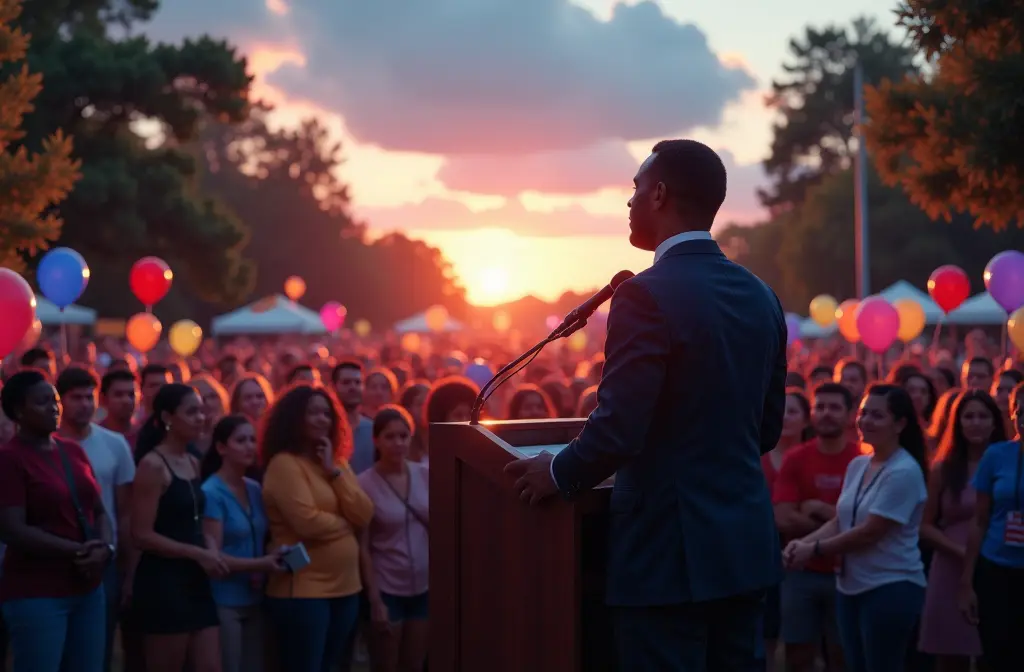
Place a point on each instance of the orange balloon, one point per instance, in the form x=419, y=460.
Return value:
x=362, y=328
x=411, y=342
x=502, y=321
x=847, y=320
x=294, y=287
x=436, y=318
x=143, y=331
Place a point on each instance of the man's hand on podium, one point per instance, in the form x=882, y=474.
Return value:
x=534, y=482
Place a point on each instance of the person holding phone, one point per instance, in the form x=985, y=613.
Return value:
x=59, y=538
x=312, y=498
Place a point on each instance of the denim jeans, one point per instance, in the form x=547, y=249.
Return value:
x=312, y=632
x=57, y=634
x=876, y=626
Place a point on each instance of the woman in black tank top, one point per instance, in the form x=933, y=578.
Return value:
x=172, y=603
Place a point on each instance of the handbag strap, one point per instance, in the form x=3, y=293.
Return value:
x=405, y=500
x=69, y=478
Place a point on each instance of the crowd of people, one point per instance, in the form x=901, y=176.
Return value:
x=152, y=506
x=159, y=498
x=899, y=505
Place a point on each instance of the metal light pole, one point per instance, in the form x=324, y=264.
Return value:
x=862, y=249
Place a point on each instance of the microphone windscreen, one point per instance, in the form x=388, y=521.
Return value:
x=620, y=278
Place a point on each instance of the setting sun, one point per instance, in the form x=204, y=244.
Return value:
x=492, y=285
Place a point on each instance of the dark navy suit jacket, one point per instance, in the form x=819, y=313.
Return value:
x=693, y=392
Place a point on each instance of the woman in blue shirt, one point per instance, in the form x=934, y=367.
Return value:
x=992, y=585
x=234, y=522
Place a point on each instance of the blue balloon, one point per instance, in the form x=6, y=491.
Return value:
x=62, y=276
x=792, y=327
x=479, y=372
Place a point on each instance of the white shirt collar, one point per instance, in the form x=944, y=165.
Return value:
x=669, y=243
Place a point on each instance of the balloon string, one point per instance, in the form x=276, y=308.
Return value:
x=63, y=335
x=935, y=338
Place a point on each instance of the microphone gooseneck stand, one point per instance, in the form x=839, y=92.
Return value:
x=513, y=367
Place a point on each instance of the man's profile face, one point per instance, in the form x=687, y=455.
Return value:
x=648, y=196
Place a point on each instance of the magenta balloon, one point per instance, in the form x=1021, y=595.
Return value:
x=878, y=323
x=332, y=315
x=1004, y=279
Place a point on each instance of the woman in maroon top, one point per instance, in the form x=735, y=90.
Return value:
x=58, y=538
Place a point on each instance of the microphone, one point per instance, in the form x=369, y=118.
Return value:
x=574, y=321
x=579, y=316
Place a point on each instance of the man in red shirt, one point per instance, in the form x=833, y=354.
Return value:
x=806, y=490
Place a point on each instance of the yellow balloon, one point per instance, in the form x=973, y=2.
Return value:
x=411, y=342
x=847, y=320
x=911, y=319
x=362, y=328
x=294, y=287
x=185, y=337
x=578, y=341
x=1015, y=328
x=143, y=331
x=436, y=317
x=502, y=321
x=823, y=310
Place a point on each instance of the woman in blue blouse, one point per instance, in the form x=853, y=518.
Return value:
x=234, y=522
x=992, y=585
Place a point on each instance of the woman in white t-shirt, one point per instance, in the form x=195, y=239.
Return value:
x=880, y=578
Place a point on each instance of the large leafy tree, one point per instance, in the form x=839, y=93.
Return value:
x=813, y=137
x=138, y=193
x=30, y=183
x=952, y=138
x=283, y=183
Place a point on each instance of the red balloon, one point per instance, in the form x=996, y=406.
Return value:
x=150, y=280
x=18, y=308
x=949, y=286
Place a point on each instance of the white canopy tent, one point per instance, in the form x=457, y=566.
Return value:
x=49, y=314
x=901, y=289
x=417, y=324
x=980, y=309
x=274, y=314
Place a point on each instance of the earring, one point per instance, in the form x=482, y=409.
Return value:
x=167, y=427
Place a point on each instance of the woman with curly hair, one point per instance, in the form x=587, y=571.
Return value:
x=312, y=497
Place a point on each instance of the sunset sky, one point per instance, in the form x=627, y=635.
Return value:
x=507, y=132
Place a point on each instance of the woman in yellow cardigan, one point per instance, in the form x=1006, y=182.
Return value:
x=312, y=496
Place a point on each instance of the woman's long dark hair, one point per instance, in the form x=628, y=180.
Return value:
x=901, y=407
x=153, y=432
x=281, y=430
x=220, y=435
x=933, y=397
x=953, y=454
x=515, y=404
x=805, y=406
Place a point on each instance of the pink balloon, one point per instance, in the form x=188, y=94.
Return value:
x=878, y=323
x=18, y=308
x=333, y=315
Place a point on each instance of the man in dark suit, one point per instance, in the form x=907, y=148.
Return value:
x=692, y=395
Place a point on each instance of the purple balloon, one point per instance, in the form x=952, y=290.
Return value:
x=332, y=315
x=479, y=372
x=878, y=323
x=1004, y=279
x=792, y=327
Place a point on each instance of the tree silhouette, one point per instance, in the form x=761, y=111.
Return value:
x=284, y=185
x=137, y=195
x=813, y=138
x=30, y=183
x=953, y=139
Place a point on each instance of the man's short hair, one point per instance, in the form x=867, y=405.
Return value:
x=837, y=389
x=347, y=363
x=115, y=376
x=153, y=370
x=75, y=378
x=695, y=177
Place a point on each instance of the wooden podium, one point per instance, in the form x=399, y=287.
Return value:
x=513, y=587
